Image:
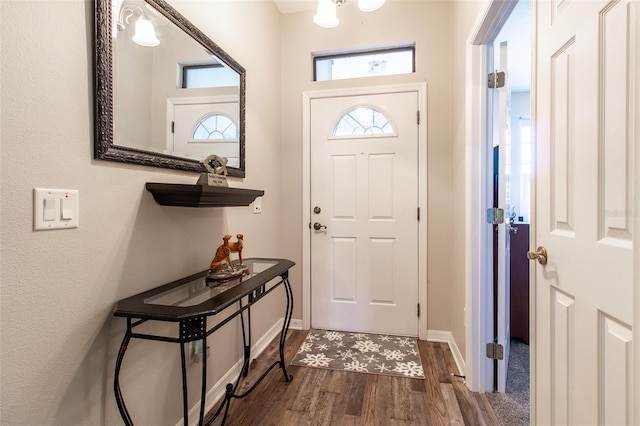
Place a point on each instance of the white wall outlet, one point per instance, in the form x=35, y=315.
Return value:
x=55, y=209
x=257, y=205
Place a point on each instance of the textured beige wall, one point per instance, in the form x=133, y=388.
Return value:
x=58, y=288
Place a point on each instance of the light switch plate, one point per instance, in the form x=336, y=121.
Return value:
x=57, y=220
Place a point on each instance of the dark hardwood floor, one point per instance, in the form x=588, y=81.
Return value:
x=328, y=397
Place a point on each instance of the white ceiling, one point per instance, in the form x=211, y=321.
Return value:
x=293, y=6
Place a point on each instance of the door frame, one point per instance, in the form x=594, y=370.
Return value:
x=307, y=97
x=635, y=42
x=478, y=198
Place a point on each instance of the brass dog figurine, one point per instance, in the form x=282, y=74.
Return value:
x=222, y=256
x=237, y=246
x=223, y=253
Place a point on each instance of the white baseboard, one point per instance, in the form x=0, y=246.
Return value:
x=447, y=337
x=296, y=324
x=216, y=393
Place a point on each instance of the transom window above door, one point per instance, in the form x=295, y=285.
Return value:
x=364, y=62
x=363, y=121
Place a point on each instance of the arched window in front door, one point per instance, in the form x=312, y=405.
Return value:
x=215, y=126
x=363, y=121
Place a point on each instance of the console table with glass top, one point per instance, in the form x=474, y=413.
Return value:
x=194, y=304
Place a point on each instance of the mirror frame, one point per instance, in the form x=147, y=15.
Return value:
x=104, y=146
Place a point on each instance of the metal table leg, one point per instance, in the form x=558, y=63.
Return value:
x=203, y=392
x=124, y=413
x=231, y=388
x=185, y=399
x=285, y=327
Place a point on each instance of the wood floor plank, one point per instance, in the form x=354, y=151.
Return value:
x=449, y=361
x=468, y=405
x=375, y=408
x=321, y=409
x=348, y=420
x=308, y=390
x=417, y=385
x=356, y=394
x=437, y=414
x=444, y=373
x=290, y=417
x=338, y=385
x=405, y=407
x=453, y=409
x=328, y=397
x=420, y=408
x=486, y=408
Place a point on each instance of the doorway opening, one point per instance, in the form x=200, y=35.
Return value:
x=312, y=215
x=509, y=126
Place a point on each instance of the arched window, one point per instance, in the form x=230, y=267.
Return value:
x=363, y=121
x=215, y=126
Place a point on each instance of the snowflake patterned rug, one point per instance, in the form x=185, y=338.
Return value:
x=361, y=352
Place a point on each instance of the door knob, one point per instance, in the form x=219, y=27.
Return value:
x=318, y=226
x=540, y=255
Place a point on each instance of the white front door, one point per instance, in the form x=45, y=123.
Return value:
x=585, y=125
x=364, y=200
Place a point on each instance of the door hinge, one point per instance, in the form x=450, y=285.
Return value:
x=418, y=214
x=418, y=310
x=495, y=351
x=496, y=80
x=495, y=216
x=418, y=117
x=173, y=127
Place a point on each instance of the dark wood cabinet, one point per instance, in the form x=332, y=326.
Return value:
x=519, y=289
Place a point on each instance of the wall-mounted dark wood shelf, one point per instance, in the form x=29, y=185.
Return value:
x=176, y=194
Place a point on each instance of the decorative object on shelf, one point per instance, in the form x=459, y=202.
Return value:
x=222, y=256
x=217, y=168
x=221, y=268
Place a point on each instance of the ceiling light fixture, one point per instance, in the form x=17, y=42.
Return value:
x=370, y=5
x=326, y=14
x=145, y=34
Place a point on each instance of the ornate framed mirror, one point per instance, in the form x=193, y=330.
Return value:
x=165, y=94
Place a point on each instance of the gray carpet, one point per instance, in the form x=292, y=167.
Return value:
x=512, y=407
